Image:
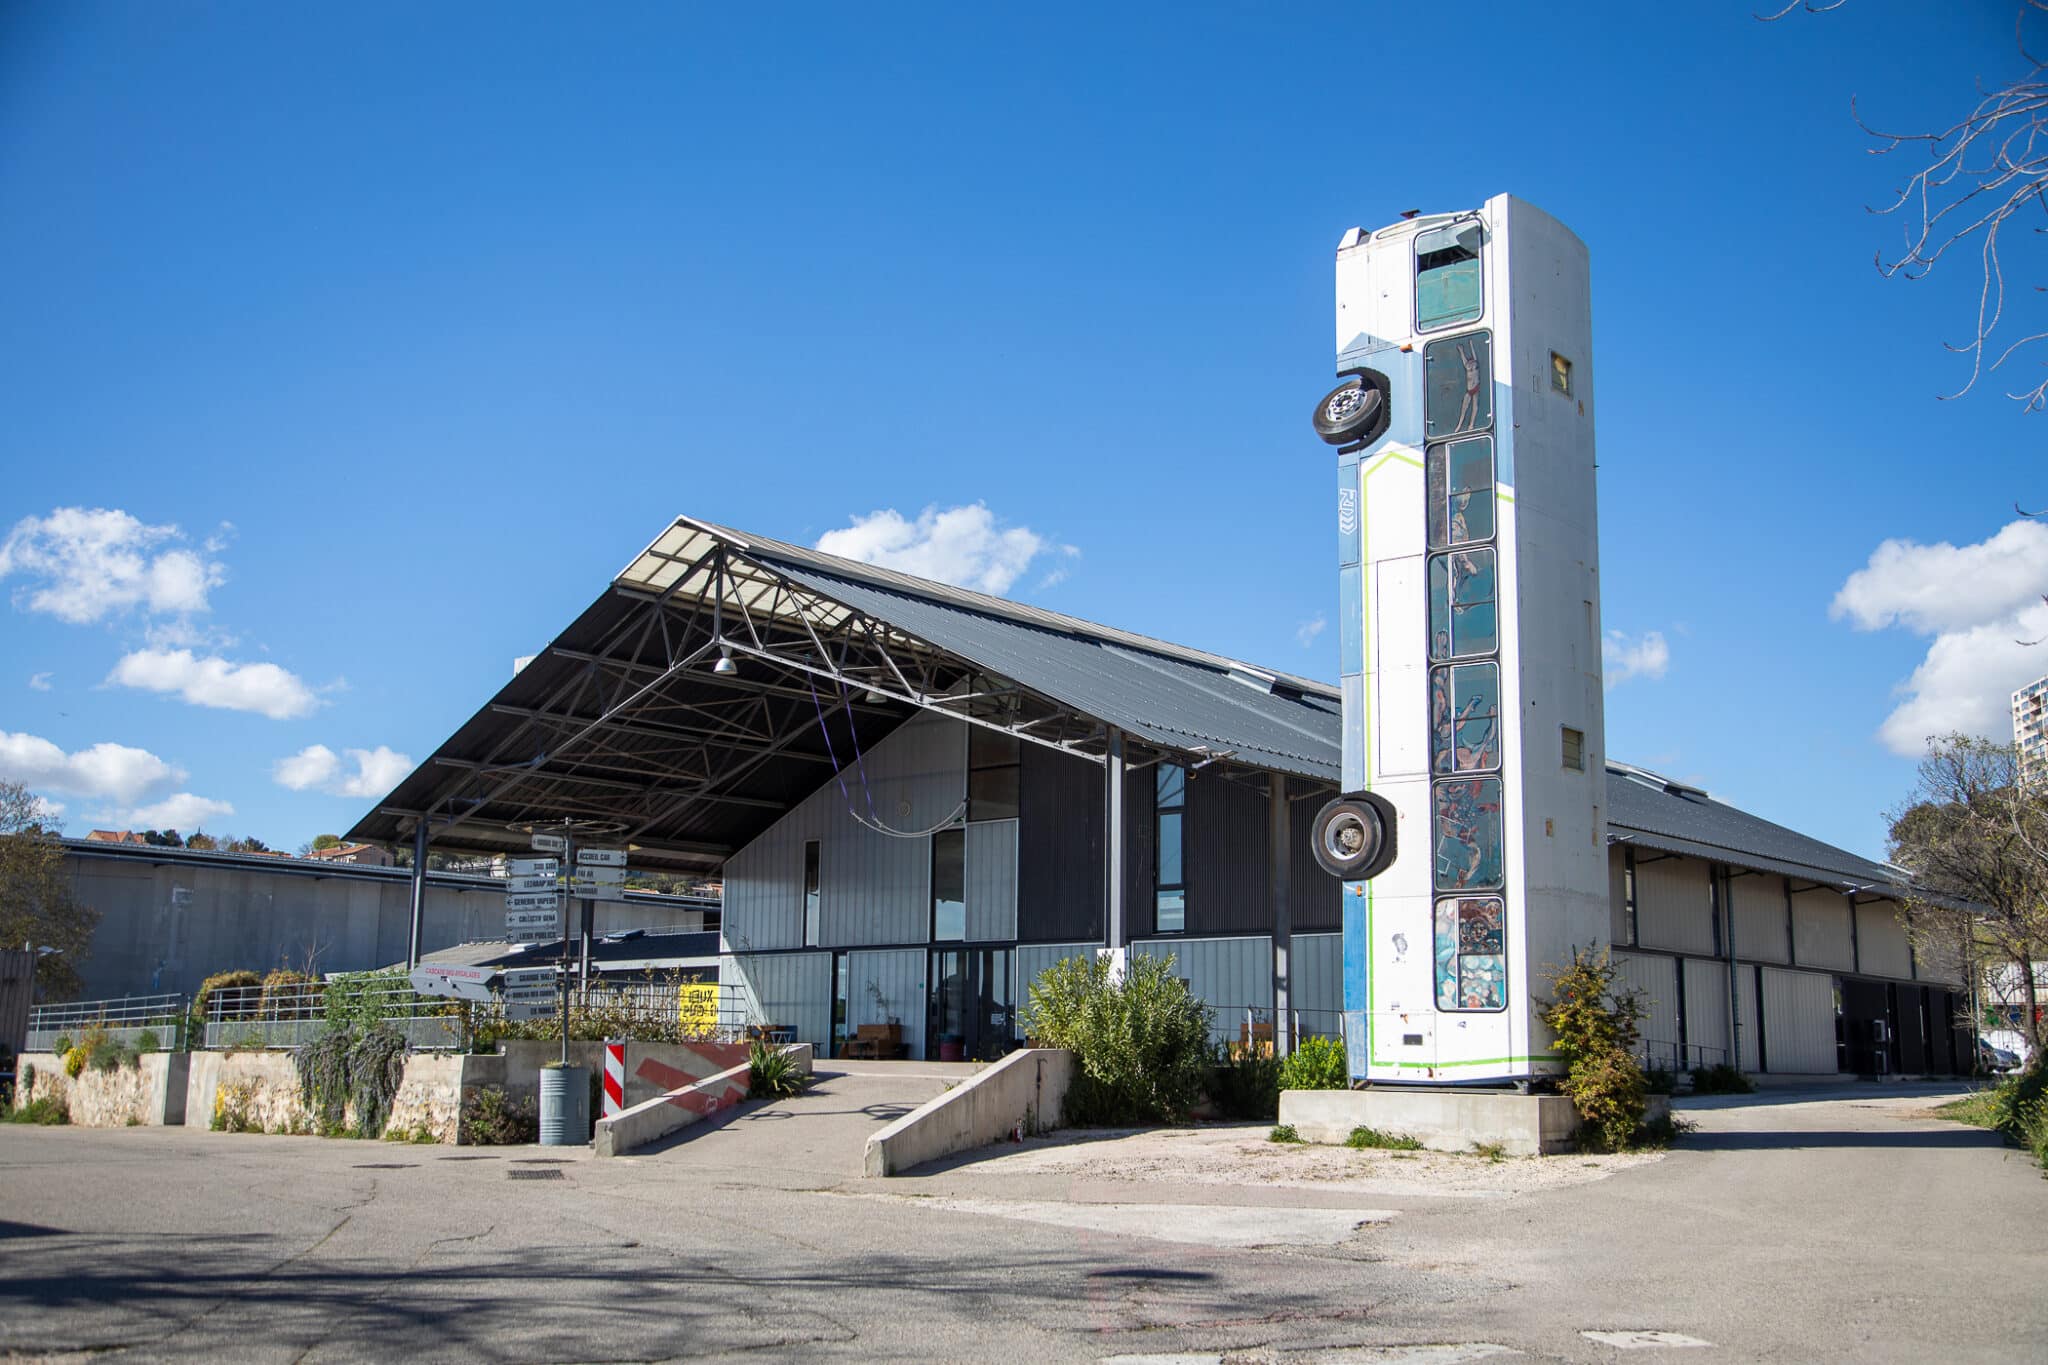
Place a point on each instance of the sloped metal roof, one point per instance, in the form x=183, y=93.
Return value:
x=1653, y=813
x=1168, y=698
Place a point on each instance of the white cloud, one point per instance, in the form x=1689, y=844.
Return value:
x=39, y=682
x=1978, y=603
x=1308, y=630
x=1622, y=658
x=183, y=812
x=111, y=772
x=1934, y=588
x=367, y=772
x=86, y=564
x=214, y=681
x=960, y=545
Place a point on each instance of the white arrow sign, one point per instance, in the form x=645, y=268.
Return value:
x=533, y=867
x=516, y=1012
x=532, y=900
x=532, y=995
x=549, y=935
x=601, y=857
x=549, y=843
x=599, y=883
x=524, y=885
x=527, y=977
x=455, y=983
x=534, y=919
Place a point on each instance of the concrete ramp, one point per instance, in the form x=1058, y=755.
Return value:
x=818, y=1138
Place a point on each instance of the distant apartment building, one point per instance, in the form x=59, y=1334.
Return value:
x=2030, y=729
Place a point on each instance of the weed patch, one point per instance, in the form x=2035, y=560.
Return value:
x=1283, y=1132
x=1373, y=1139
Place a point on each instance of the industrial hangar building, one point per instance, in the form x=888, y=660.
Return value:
x=919, y=797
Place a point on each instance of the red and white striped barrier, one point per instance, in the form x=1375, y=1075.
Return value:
x=614, y=1078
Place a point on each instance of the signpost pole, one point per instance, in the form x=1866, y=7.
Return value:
x=562, y=963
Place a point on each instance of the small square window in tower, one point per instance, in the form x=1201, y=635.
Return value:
x=1560, y=374
x=1574, y=749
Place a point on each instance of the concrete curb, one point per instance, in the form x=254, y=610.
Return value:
x=1026, y=1090
x=652, y=1120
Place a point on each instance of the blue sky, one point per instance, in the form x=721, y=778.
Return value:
x=392, y=332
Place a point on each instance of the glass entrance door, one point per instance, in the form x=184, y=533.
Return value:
x=970, y=1005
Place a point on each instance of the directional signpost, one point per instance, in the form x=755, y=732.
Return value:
x=455, y=983
x=533, y=900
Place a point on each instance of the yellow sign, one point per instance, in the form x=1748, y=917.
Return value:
x=697, y=1007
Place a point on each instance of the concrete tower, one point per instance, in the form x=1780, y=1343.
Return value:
x=1471, y=833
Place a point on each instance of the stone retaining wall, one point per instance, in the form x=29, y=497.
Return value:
x=152, y=1092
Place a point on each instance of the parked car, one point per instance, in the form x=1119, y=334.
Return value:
x=1997, y=1059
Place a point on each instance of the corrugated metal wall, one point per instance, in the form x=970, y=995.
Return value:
x=1228, y=973
x=1706, y=1006
x=1820, y=929
x=1317, y=966
x=1674, y=904
x=1657, y=978
x=1799, y=1015
x=899, y=978
x=790, y=989
x=1034, y=958
x=1745, y=1005
x=1881, y=941
x=992, y=880
x=873, y=888
x=1617, y=896
x=1317, y=898
x=1059, y=851
x=1760, y=917
x=1225, y=848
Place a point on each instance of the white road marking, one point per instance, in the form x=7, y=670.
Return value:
x=1637, y=1341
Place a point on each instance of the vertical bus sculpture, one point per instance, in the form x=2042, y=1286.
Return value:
x=1470, y=611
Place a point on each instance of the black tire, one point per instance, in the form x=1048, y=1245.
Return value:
x=1353, y=413
x=1354, y=837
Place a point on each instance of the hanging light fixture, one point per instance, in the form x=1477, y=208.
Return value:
x=725, y=667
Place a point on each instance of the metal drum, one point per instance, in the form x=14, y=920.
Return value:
x=564, y=1106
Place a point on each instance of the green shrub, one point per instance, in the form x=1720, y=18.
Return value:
x=773, y=1073
x=61, y=1046
x=491, y=1119
x=1660, y=1080
x=74, y=1062
x=49, y=1111
x=1142, y=1042
x=102, y=1053
x=1720, y=1079
x=1283, y=1132
x=234, y=1108
x=1373, y=1138
x=2019, y=1109
x=226, y=981
x=341, y=1068
x=147, y=1041
x=1595, y=1024
x=1317, y=1064
x=1246, y=1086
x=25, y=1080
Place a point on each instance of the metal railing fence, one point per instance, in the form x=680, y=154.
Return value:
x=1680, y=1057
x=291, y=1014
x=124, y=1019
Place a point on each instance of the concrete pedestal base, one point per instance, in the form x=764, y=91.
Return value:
x=1441, y=1120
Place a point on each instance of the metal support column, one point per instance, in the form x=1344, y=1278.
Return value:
x=1726, y=884
x=419, y=892
x=1113, y=846
x=1279, y=847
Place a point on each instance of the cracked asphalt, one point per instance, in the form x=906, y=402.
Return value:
x=1832, y=1225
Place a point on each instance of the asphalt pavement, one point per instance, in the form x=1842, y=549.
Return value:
x=1793, y=1227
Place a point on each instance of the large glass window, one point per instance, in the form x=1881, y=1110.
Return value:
x=1468, y=834
x=1464, y=707
x=1447, y=281
x=1462, y=618
x=813, y=899
x=949, y=885
x=1471, y=954
x=1457, y=385
x=993, y=765
x=1170, y=883
x=1460, y=484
